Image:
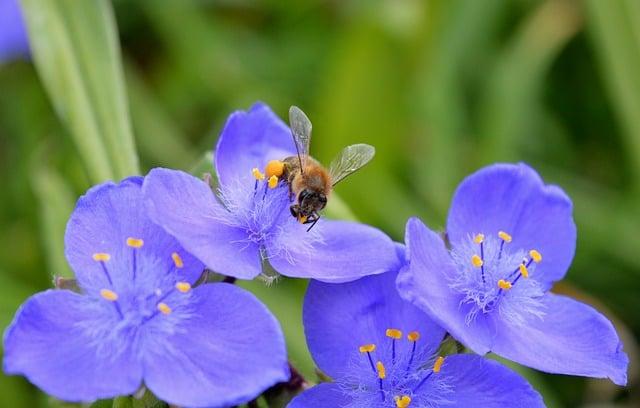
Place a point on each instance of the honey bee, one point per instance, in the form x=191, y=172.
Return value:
x=309, y=182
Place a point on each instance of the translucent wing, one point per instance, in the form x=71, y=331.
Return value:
x=350, y=159
x=301, y=131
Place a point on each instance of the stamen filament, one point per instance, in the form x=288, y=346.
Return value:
x=394, y=334
x=413, y=337
x=382, y=373
x=436, y=369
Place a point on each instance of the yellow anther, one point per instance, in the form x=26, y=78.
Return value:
x=524, y=271
x=177, y=261
x=535, y=255
x=109, y=295
x=274, y=168
x=183, y=287
x=402, y=402
x=302, y=219
x=504, y=236
x=367, y=348
x=257, y=174
x=438, y=364
x=413, y=336
x=382, y=372
x=101, y=257
x=164, y=308
x=135, y=242
x=478, y=239
x=273, y=181
x=503, y=284
x=477, y=261
x=394, y=334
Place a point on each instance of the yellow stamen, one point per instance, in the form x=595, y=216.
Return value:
x=524, y=271
x=273, y=181
x=503, y=284
x=413, y=336
x=403, y=402
x=177, y=261
x=109, y=295
x=394, y=334
x=382, y=372
x=183, y=287
x=101, y=257
x=535, y=255
x=438, y=364
x=477, y=261
x=164, y=308
x=302, y=219
x=478, y=239
x=504, y=236
x=367, y=348
x=274, y=168
x=257, y=174
x=135, y=242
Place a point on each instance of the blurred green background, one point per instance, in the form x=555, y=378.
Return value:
x=439, y=87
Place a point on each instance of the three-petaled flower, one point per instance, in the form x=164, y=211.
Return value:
x=381, y=352
x=511, y=236
x=139, y=320
x=250, y=221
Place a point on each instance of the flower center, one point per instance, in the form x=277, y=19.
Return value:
x=142, y=304
x=396, y=374
x=491, y=275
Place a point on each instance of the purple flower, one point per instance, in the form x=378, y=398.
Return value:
x=381, y=352
x=250, y=222
x=511, y=236
x=13, y=36
x=138, y=320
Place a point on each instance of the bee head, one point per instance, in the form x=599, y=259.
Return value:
x=311, y=201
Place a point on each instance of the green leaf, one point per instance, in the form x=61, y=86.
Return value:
x=76, y=52
x=55, y=201
x=615, y=29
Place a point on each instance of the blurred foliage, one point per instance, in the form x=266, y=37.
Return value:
x=439, y=87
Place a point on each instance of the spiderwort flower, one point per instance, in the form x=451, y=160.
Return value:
x=251, y=220
x=511, y=237
x=139, y=320
x=381, y=352
x=13, y=36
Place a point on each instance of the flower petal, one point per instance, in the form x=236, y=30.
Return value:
x=342, y=251
x=514, y=199
x=49, y=343
x=320, y=396
x=13, y=35
x=477, y=381
x=339, y=318
x=572, y=338
x=227, y=353
x=104, y=218
x=250, y=139
x=425, y=283
x=186, y=208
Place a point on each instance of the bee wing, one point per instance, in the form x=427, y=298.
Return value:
x=301, y=131
x=350, y=160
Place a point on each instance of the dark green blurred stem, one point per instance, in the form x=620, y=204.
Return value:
x=281, y=394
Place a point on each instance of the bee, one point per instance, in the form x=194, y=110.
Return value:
x=310, y=184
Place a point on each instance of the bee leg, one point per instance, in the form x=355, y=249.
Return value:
x=313, y=219
x=291, y=196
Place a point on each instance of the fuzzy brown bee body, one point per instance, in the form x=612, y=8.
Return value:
x=309, y=182
x=311, y=185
